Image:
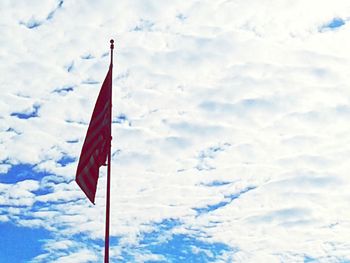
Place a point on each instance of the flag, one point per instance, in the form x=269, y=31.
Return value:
x=97, y=141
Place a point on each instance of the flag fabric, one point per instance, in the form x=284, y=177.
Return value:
x=97, y=141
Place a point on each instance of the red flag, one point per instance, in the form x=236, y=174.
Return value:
x=97, y=141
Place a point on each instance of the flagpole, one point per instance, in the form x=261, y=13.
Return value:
x=108, y=194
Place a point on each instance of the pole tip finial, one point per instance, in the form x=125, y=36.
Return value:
x=112, y=43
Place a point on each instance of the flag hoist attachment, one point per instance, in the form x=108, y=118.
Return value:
x=97, y=148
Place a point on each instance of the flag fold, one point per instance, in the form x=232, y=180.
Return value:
x=97, y=141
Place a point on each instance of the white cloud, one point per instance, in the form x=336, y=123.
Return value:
x=81, y=256
x=248, y=93
x=19, y=194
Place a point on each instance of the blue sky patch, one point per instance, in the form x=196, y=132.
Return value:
x=335, y=23
x=308, y=259
x=65, y=160
x=52, y=13
x=32, y=23
x=210, y=208
x=217, y=183
x=21, y=172
x=177, y=247
x=63, y=90
x=28, y=243
x=85, y=239
x=181, y=247
x=121, y=118
x=228, y=199
x=27, y=115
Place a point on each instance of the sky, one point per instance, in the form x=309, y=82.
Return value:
x=231, y=130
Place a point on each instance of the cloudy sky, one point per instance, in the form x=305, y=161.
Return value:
x=231, y=127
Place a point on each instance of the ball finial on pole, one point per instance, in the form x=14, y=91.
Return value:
x=112, y=43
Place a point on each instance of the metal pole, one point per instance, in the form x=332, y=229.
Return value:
x=108, y=195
